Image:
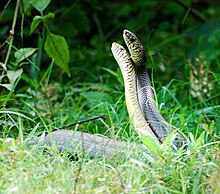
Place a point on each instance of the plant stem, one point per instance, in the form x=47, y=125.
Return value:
x=11, y=37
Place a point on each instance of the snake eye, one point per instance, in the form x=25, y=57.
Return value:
x=132, y=38
x=121, y=49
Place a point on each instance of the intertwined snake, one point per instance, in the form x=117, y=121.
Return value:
x=138, y=90
x=141, y=106
x=129, y=75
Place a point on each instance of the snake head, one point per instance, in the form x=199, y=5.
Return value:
x=135, y=47
x=120, y=54
x=131, y=40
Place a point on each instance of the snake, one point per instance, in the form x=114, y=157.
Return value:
x=141, y=86
x=129, y=74
x=141, y=106
x=145, y=90
x=81, y=144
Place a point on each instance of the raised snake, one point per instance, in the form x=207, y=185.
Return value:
x=129, y=74
x=145, y=93
x=144, y=88
x=140, y=104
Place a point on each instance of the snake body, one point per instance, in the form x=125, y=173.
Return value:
x=142, y=110
x=129, y=74
x=78, y=143
x=145, y=91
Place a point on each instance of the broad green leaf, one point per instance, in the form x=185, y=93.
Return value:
x=8, y=86
x=36, y=21
x=47, y=17
x=57, y=49
x=13, y=75
x=25, y=7
x=200, y=140
x=24, y=53
x=40, y=5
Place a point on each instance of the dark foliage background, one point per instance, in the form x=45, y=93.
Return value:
x=172, y=31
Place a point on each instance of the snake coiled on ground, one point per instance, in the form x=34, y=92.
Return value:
x=141, y=107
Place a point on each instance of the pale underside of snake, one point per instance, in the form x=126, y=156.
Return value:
x=142, y=110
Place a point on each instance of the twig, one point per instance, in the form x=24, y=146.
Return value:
x=192, y=11
x=80, y=122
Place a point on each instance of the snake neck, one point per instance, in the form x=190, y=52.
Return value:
x=157, y=123
x=147, y=104
x=133, y=107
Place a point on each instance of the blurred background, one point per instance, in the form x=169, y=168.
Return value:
x=181, y=38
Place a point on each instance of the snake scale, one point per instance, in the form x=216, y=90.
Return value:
x=128, y=71
x=145, y=91
x=141, y=107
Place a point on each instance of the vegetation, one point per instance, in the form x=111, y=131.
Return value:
x=57, y=68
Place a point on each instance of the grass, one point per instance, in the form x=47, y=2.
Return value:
x=27, y=169
x=55, y=100
x=49, y=104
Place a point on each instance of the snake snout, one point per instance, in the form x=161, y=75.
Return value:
x=120, y=54
x=129, y=37
x=118, y=49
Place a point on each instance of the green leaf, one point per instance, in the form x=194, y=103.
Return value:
x=40, y=5
x=24, y=53
x=167, y=142
x=13, y=75
x=8, y=86
x=47, y=17
x=57, y=49
x=25, y=7
x=217, y=76
x=152, y=145
x=36, y=21
x=200, y=140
